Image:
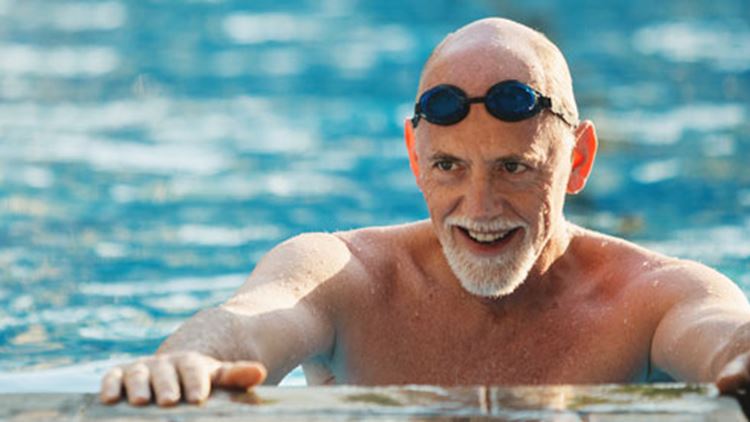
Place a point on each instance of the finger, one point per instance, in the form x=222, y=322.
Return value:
x=111, y=388
x=734, y=376
x=165, y=383
x=137, y=386
x=242, y=374
x=195, y=376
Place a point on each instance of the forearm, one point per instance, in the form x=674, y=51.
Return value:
x=734, y=345
x=694, y=341
x=212, y=332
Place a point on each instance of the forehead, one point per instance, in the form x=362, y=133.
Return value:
x=476, y=63
x=483, y=138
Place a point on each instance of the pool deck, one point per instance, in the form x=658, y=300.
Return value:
x=605, y=403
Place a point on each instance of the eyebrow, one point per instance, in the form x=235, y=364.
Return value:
x=510, y=157
x=443, y=156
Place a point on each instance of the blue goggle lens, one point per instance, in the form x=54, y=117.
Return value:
x=444, y=104
x=510, y=101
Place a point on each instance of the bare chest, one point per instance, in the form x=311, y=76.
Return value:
x=407, y=341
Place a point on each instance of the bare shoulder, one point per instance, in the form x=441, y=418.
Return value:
x=379, y=248
x=689, y=283
x=295, y=270
x=388, y=258
x=651, y=274
x=305, y=258
x=335, y=265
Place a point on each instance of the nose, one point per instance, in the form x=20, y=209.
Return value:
x=481, y=200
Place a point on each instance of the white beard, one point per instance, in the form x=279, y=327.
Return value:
x=489, y=277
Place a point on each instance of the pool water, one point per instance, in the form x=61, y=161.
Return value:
x=152, y=151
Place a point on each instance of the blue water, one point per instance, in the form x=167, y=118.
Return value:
x=151, y=152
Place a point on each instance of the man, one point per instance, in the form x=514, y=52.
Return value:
x=496, y=288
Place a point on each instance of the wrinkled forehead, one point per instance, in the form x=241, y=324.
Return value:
x=476, y=60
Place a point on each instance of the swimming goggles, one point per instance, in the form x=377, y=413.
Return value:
x=510, y=101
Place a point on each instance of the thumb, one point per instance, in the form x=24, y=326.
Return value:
x=240, y=374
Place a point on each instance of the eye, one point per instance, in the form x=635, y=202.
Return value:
x=445, y=165
x=514, y=167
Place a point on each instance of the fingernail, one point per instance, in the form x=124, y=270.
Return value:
x=194, y=397
x=138, y=401
x=168, y=401
x=106, y=399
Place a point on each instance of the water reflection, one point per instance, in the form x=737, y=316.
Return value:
x=724, y=47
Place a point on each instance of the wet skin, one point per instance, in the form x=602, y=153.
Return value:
x=574, y=325
x=383, y=305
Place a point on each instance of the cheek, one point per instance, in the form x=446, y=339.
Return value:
x=438, y=188
x=552, y=201
x=541, y=205
x=435, y=198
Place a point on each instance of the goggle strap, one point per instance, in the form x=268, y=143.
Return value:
x=417, y=115
x=415, y=120
x=564, y=119
x=546, y=102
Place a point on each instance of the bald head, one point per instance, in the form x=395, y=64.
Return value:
x=487, y=51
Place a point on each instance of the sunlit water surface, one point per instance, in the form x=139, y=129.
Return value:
x=151, y=152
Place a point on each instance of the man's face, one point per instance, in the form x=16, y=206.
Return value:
x=495, y=192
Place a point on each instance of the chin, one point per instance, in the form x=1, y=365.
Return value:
x=490, y=277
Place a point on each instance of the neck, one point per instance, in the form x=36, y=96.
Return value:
x=554, y=248
x=543, y=280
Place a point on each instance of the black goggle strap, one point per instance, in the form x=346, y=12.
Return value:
x=417, y=115
x=546, y=102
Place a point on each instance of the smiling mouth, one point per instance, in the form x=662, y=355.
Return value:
x=488, y=238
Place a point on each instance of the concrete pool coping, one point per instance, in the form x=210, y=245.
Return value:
x=606, y=403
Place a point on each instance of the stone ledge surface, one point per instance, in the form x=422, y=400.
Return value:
x=601, y=403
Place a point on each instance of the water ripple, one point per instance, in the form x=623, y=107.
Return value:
x=724, y=47
x=147, y=288
x=68, y=62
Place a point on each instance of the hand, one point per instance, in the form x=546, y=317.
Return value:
x=163, y=374
x=734, y=380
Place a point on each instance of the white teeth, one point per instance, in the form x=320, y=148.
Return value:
x=487, y=237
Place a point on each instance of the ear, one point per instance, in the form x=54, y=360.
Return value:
x=410, y=148
x=584, y=152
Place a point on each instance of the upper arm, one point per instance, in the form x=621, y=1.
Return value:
x=283, y=314
x=702, y=312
